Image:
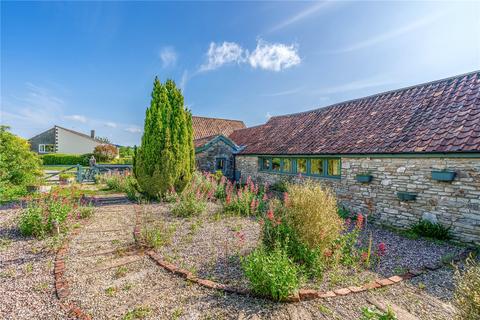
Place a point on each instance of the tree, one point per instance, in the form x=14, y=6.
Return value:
x=166, y=156
x=18, y=165
x=126, y=152
x=105, y=152
x=103, y=139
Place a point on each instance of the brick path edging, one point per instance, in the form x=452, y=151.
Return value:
x=61, y=284
x=302, y=294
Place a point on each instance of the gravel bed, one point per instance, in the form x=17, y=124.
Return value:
x=27, y=285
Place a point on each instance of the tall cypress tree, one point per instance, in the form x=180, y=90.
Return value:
x=166, y=156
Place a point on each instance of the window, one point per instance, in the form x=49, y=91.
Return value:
x=333, y=167
x=220, y=164
x=46, y=148
x=302, y=166
x=287, y=165
x=276, y=164
x=316, y=167
x=266, y=164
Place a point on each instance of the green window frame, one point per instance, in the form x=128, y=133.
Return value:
x=306, y=166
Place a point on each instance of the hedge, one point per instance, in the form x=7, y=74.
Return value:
x=66, y=159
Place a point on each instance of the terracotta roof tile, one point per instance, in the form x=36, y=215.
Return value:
x=205, y=129
x=441, y=116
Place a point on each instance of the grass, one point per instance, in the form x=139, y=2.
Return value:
x=111, y=291
x=137, y=313
x=121, y=272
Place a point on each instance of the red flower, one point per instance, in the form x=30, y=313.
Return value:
x=328, y=253
x=359, y=224
x=265, y=197
x=364, y=256
x=270, y=215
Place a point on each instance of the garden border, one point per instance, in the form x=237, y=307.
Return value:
x=302, y=294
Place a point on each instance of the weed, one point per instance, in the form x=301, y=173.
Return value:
x=29, y=268
x=121, y=272
x=467, y=290
x=5, y=243
x=374, y=314
x=137, y=313
x=111, y=291
x=433, y=230
x=177, y=313
x=325, y=310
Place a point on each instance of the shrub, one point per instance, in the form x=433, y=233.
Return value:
x=166, y=157
x=85, y=212
x=312, y=212
x=120, y=182
x=43, y=215
x=425, y=228
x=126, y=152
x=271, y=273
x=280, y=186
x=247, y=200
x=66, y=159
x=189, y=205
x=276, y=231
x=105, y=152
x=157, y=235
x=467, y=290
x=19, y=166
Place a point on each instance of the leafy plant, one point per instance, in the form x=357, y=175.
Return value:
x=467, y=290
x=157, y=235
x=105, y=152
x=189, y=205
x=85, y=212
x=374, y=314
x=271, y=273
x=65, y=159
x=137, y=313
x=428, y=229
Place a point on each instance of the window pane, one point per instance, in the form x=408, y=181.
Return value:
x=287, y=165
x=220, y=165
x=316, y=167
x=302, y=165
x=333, y=167
x=276, y=164
x=49, y=148
x=265, y=164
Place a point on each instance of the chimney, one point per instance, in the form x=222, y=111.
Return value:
x=92, y=134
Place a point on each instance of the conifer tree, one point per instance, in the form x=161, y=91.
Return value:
x=166, y=157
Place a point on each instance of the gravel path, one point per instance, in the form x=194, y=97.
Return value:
x=27, y=288
x=109, y=279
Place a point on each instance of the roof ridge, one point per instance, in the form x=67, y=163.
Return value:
x=82, y=134
x=194, y=116
x=377, y=94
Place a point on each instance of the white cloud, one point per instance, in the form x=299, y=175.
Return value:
x=133, y=129
x=366, y=83
x=275, y=56
x=76, y=117
x=220, y=54
x=391, y=34
x=111, y=124
x=168, y=56
x=268, y=116
x=319, y=6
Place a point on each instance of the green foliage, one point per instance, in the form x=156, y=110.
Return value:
x=105, y=152
x=66, y=159
x=137, y=313
x=126, y=152
x=245, y=200
x=166, y=157
x=157, y=235
x=120, y=182
x=374, y=314
x=344, y=213
x=280, y=186
x=271, y=273
x=19, y=166
x=425, y=228
x=66, y=176
x=43, y=215
x=85, y=212
x=189, y=205
x=467, y=290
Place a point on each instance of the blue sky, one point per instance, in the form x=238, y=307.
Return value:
x=91, y=65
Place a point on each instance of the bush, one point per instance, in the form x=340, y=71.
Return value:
x=66, y=159
x=19, y=166
x=120, y=182
x=467, y=290
x=312, y=212
x=280, y=186
x=44, y=215
x=425, y=228
x=157, y=235
x=247, y=200
x=105, y=152
x=271, y=273
x=189, y=205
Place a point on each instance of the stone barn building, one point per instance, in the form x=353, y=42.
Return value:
x=397, y=156
x=214, y=150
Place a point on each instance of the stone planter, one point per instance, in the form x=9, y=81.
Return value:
x=443, y=175
x=406, y=196
x=364, y=178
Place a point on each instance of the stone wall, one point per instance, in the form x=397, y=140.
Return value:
x=455, y=204
x=206, y=159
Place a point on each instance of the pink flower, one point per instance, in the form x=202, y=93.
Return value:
x=265, y=197
x=364, y=256
x=382, y=248
x=270, y=215
x=229, y=198
x=348, y=222
x=286, y=200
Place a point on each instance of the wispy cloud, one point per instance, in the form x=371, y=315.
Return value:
x=274, y=57
x=283, y=93
x=133, y=129
x=267, y=56
x=360, y=84
x=168, y=55
x=76, y=117
x=220, y=54
x=391, y=34
x=306, y=13
x=111, y=124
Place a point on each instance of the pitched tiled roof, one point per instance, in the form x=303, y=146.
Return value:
x=82, y=135
x=439, y=116
x=205, y=129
